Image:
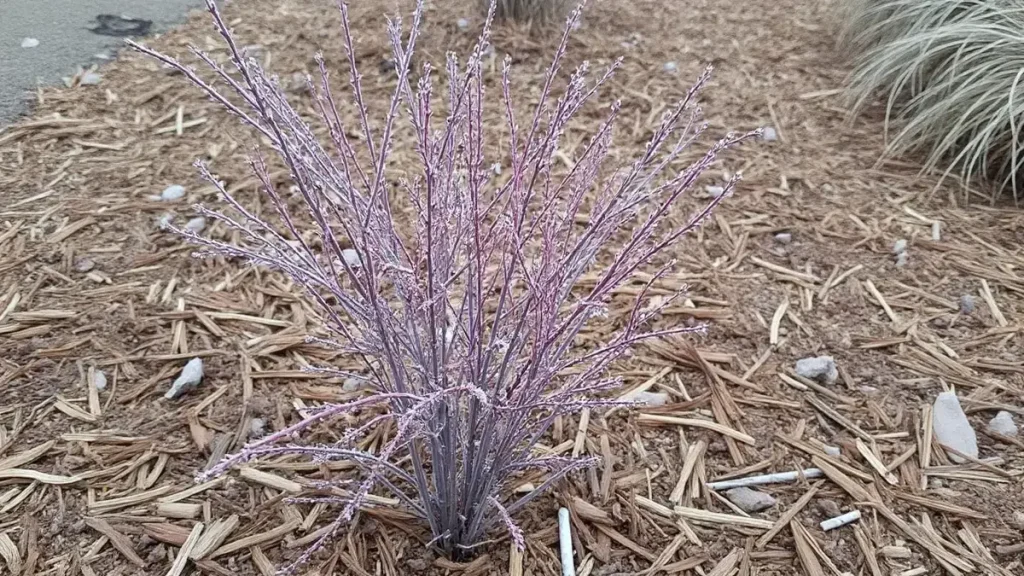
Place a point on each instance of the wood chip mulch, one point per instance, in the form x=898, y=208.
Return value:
x=100, y=309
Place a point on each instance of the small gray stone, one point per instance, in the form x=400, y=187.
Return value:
x=462, y=23
x=829, y=508
x=833, y=451
x=821, y=368
x=354, y=385
x=351, y=257
x=172, y=193
x=899, y=247
x=257, y=427
x=1003, y=424
x=196, y=225
x=714, y=191
x=651, y=398
x=952, y=427
x=90, y=79
x=189, y=378
x=100, y=379
x=670, y=67
x=84, y=265
x=901, y=259
x=748, y=500
x=29, y=43
x=966, y=304
x=769, y=134
x=1018, y=519
x=784, y=238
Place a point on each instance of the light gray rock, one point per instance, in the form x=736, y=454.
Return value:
x=750, y=501
x=769, y=134
x=172, y=193
x=821, y=368
x=29, y=43
x=84, y=265
x=196, y=225
x=952, y=428
x=901, y=259
x=100, y=380
x=190, y=377
x=351, y=257
x=966, y=304
x=1003, y=424
x=1018, y=519
x=829, y=508
x=90, y=79
x=257, y=427
x=784, y=238
x=462, y=23
x=833, y=451
x=651, y=398
x=899, y=247
x=714, y=191
x=354, y=384
x=670, y=67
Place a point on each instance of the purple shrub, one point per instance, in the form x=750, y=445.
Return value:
x=467, y=312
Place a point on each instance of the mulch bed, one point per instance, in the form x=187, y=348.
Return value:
x=92, y=289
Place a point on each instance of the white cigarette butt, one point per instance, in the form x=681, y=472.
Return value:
x=838, y=521
x=565, y=543
x=775, y=478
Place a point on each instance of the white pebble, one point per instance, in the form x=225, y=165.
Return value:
x=189, y=378
x=768, y=134
x=1003, y=424
x=257, y=427
x=821, y=368
x=90, y=79
x=100, y=380
x=670, y=67
x=784, y=238
x=29, y=43
x=164, y=220
x=901, y=259
x=715, y=191
x=172, y=193
x=351, y=257
x=952, y=427
x=462, y=23
x=899, y=247
x=496, y=168
x=196, y=225
x=651, y=398
x=833, y=451
x=354, y=385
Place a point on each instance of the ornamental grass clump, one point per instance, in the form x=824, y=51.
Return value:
x=951, y=75
x=467, y=305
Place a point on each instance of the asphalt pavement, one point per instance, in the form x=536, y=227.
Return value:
x=42, y=41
